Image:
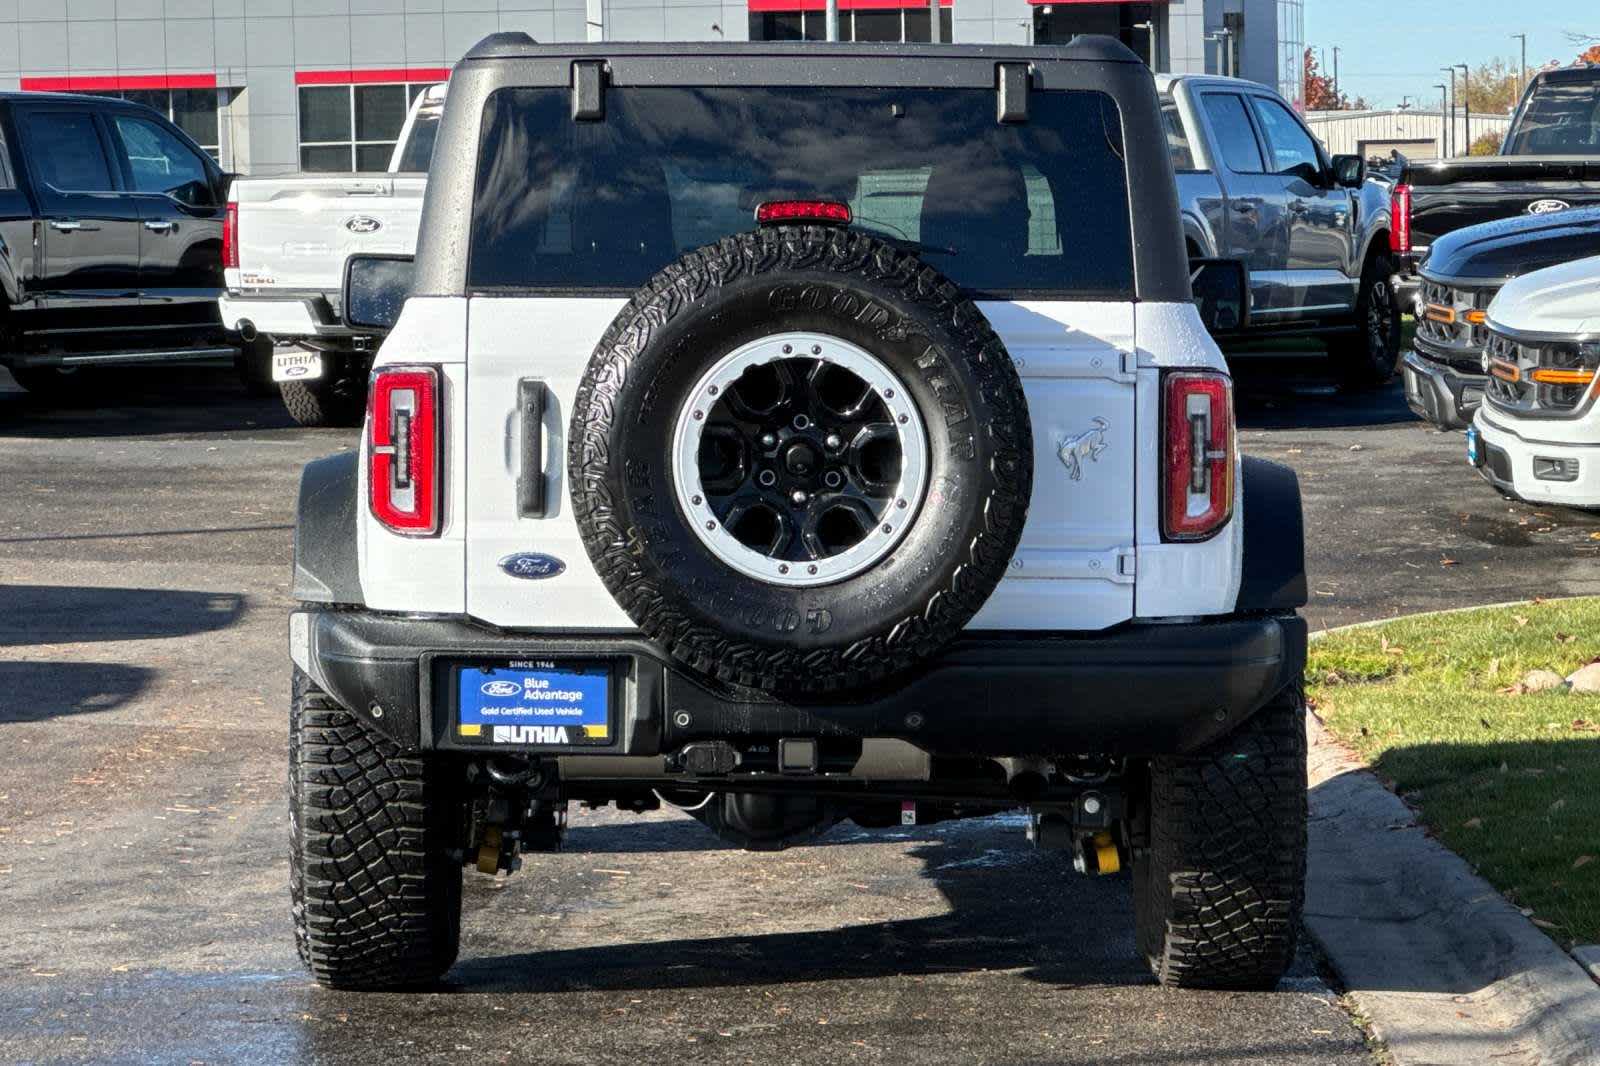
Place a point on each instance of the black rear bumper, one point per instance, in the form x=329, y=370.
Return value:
x=1135, y=690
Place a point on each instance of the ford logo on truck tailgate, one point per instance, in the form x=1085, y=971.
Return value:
x=362, y=224
x=1547, y=207
x=532, y=565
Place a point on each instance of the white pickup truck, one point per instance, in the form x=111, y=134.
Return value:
x=285, y=244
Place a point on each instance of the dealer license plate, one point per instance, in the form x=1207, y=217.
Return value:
x=534, y=702
x=296, y=366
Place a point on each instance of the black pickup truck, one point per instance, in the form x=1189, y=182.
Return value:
x=1550, y=162
x=111, y=223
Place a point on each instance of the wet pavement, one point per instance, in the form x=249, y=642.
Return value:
x=144, y=550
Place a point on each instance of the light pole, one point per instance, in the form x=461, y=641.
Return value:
x=1336, y=96
x=1444, y=112
x=1466, y=105
x=1450, y=121
x=1522, y=69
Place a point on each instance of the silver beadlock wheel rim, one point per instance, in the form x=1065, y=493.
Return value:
x=800, y=424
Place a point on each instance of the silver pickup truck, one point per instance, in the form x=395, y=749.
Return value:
x=1312, y=231
x=285, y=244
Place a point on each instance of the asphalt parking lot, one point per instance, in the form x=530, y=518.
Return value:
x=144, y=551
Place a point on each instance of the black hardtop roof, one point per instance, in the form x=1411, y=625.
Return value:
x=1087, y=48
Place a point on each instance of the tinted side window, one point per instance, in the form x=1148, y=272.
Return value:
x=1291, y=145
x=1177, y=139
x=1040, y=206
x=66, y=149
x=1236, y=140
x=161, y=163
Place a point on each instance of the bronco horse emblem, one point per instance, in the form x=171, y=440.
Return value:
x=1085, y=446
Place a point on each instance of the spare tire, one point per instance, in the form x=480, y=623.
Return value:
x=800, y=459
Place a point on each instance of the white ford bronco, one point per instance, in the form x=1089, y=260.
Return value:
x=794, y=434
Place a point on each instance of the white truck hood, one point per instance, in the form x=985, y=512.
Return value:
x=1562, y=301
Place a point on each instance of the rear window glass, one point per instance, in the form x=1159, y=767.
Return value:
x=1235, y=136
x=1562, y=118
x=1040, y=206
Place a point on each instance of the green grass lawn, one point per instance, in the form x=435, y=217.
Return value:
x=1509, y=782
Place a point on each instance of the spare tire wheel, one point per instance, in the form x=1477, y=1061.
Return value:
x=800, y=459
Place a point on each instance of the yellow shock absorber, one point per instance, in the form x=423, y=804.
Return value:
x=489, y=851
x=1106, y=858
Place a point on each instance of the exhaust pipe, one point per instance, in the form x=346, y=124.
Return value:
x=247, y=330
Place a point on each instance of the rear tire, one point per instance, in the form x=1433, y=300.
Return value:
x=55, y=384
x=375, y=886
x=1370, y=357
x=1218, y=893
x=338, y=401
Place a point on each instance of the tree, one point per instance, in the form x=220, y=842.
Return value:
x=1488, y=144
x=1493, y=87
x=1592, y=55
x=1320, y=95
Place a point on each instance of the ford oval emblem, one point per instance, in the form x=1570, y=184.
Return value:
x=500, y=688
x=1547, y=207
x=532, y=565
x=362, y=224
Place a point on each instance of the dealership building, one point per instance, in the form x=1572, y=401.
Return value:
x=271, y=86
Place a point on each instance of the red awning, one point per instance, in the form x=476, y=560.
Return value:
x=844, y=5
x=371, y=76
x=118, y=83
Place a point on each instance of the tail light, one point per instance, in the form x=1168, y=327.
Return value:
x=1197, y=475
x=230, y=237
x=826, y=212
x=1400, y=220
x=403, y=450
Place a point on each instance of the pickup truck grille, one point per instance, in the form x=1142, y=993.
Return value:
x=1451, y=326
x=1514, y=369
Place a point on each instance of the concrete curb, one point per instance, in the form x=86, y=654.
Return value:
x=1444, y=968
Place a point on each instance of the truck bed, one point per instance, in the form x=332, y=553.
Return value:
x=295, y=232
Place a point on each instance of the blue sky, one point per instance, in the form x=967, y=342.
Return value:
x=1389, y=49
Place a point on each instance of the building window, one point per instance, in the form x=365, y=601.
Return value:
x=353, y=127
x=908, y=24
x=194, y=111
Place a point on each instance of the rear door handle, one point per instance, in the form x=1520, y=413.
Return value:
x=69, y=225
x=530, y=481
x=159, y=225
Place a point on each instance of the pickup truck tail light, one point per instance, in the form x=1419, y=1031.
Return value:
x=1197, y=471
x=230, y=237
x=403, y=449
x=1400, y=220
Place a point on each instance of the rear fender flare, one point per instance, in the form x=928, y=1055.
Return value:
x=326, y=561
x=1274, y=576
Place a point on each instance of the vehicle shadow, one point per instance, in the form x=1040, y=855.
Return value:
x=119, y=402
x=1005, y=911
x=74, y=614
x=1277, y=393
x=34, y=692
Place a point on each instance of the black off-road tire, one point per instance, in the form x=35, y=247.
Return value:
x=253, y=364
x=59, y=385
x=1219, y=891
x=742, y=630
x=1369, y=357
x=374, y=882
x=328, y=402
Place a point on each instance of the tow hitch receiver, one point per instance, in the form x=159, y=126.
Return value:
x=1088, y=827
